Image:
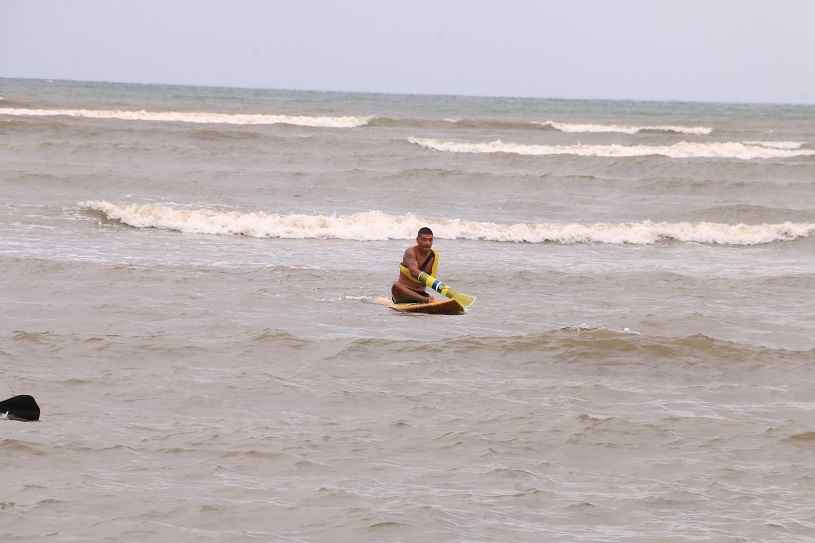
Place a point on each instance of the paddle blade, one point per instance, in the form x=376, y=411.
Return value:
x=464, y=299
x=431, y=282
x=20, y=408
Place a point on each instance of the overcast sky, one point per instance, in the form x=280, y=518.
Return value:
x=711, y=50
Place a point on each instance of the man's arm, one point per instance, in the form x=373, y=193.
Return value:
x=410, y=262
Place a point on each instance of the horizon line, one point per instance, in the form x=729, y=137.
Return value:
x=402, y=93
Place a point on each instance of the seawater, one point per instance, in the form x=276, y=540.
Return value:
x=189, y=278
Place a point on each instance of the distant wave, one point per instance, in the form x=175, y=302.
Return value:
x=623, y=129
x=193, y=117
x=494, y=124
x=514, y=124
x=738, y=150
x=747, y=213
x=583, y=343
x=517, y=124
x=778, y=144
x=376, y=225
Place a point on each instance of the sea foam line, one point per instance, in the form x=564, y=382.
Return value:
x=685, y=149
x=198, y=117
x=778, y=144
x=376, y=225
x=624, y=129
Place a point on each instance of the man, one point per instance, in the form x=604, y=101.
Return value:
x=417, y=259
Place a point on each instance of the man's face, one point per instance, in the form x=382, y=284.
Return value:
x=425, y=241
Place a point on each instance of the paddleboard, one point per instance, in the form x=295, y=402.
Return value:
x=436, y=307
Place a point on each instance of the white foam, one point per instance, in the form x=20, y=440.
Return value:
x=685, y=149
x=624, y=129
x=778, y=144
x=376, y=225
x=199, y=117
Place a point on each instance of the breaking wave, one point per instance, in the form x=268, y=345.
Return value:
x=685, y=149
x=508, y=124
x=623, y=129
x=376, y=225
x=193, y=117
x=778, y=144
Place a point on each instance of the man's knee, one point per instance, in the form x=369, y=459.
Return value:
x=402, y=294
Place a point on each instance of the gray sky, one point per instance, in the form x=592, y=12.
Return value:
x=713, y=50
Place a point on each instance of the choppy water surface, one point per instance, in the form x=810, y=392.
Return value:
x=189, y=278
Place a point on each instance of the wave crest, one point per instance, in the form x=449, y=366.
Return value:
x=684, y=149
x=376, y=225
x=194, y=117
x=624, y=129
x=792, y=145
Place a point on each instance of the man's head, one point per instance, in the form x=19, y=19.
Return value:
x=424, y=239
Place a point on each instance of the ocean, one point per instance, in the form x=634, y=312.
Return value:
x=189, y=290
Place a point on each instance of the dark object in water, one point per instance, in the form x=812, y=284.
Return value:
x=20, y=408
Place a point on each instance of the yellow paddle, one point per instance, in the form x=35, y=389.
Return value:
x=431, y=282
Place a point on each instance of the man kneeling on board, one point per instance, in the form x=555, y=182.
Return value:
x=419, y=258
